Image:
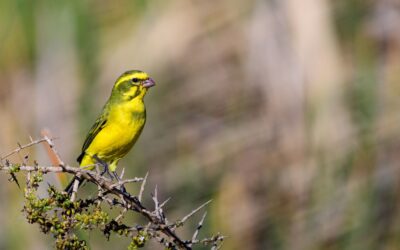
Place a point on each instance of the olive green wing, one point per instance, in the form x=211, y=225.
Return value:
x=96, y=128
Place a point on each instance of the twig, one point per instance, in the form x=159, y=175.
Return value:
x=184, y=219
x=110, y=193
x=121, y=214
x=17, y=150
x=75, y=187
x=165, y=202
x=142, y=187
x=157, y=208
x=122, y=173
x=123, y=182
x=214, y=241
x=199, y=226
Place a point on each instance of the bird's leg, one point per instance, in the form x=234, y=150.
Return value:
x=123, y=189
x=106, y=169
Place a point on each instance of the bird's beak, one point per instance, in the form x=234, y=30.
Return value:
x=148, y=83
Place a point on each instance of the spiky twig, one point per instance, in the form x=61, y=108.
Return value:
x=142, y=186
x=109, y=192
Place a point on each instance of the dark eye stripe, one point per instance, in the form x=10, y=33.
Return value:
x=135, y=80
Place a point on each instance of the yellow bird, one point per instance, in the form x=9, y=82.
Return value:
x=119, y=125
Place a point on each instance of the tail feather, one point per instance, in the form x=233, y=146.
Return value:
x=80, y=158
x=70, y=186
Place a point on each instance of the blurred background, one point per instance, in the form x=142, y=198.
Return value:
x=284, y=112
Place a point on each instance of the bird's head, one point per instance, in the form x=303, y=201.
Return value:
x=132, y=84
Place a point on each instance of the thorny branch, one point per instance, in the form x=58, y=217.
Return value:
x=109, y=192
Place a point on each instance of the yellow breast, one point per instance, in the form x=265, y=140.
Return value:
x=124, y=125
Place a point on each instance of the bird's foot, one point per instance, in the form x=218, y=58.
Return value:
x=106, y=169
x=123, y=189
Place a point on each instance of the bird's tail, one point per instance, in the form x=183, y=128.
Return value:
x=70, y=186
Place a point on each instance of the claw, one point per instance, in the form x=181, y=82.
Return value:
x=123, y=189
x=106, y=169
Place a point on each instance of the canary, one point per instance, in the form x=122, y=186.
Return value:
x=119, y=125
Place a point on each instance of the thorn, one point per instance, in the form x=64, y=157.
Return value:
x=165, y=202
x=199, y=226
x=194, y=211
x=142, y=187
x=122, y=173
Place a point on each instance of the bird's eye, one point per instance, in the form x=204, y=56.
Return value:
x=135, y=80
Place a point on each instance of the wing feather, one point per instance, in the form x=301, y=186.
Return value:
x=96, y=128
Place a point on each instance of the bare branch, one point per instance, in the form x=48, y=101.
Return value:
x=199, y=226
x=123, y=182
x=184, y=219
x=142, y=187
x=110, y=193
x=165, y=202
x=122, y=173
x=17, y=150
x=75, y=187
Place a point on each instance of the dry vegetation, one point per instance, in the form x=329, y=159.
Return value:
x=63, y=215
